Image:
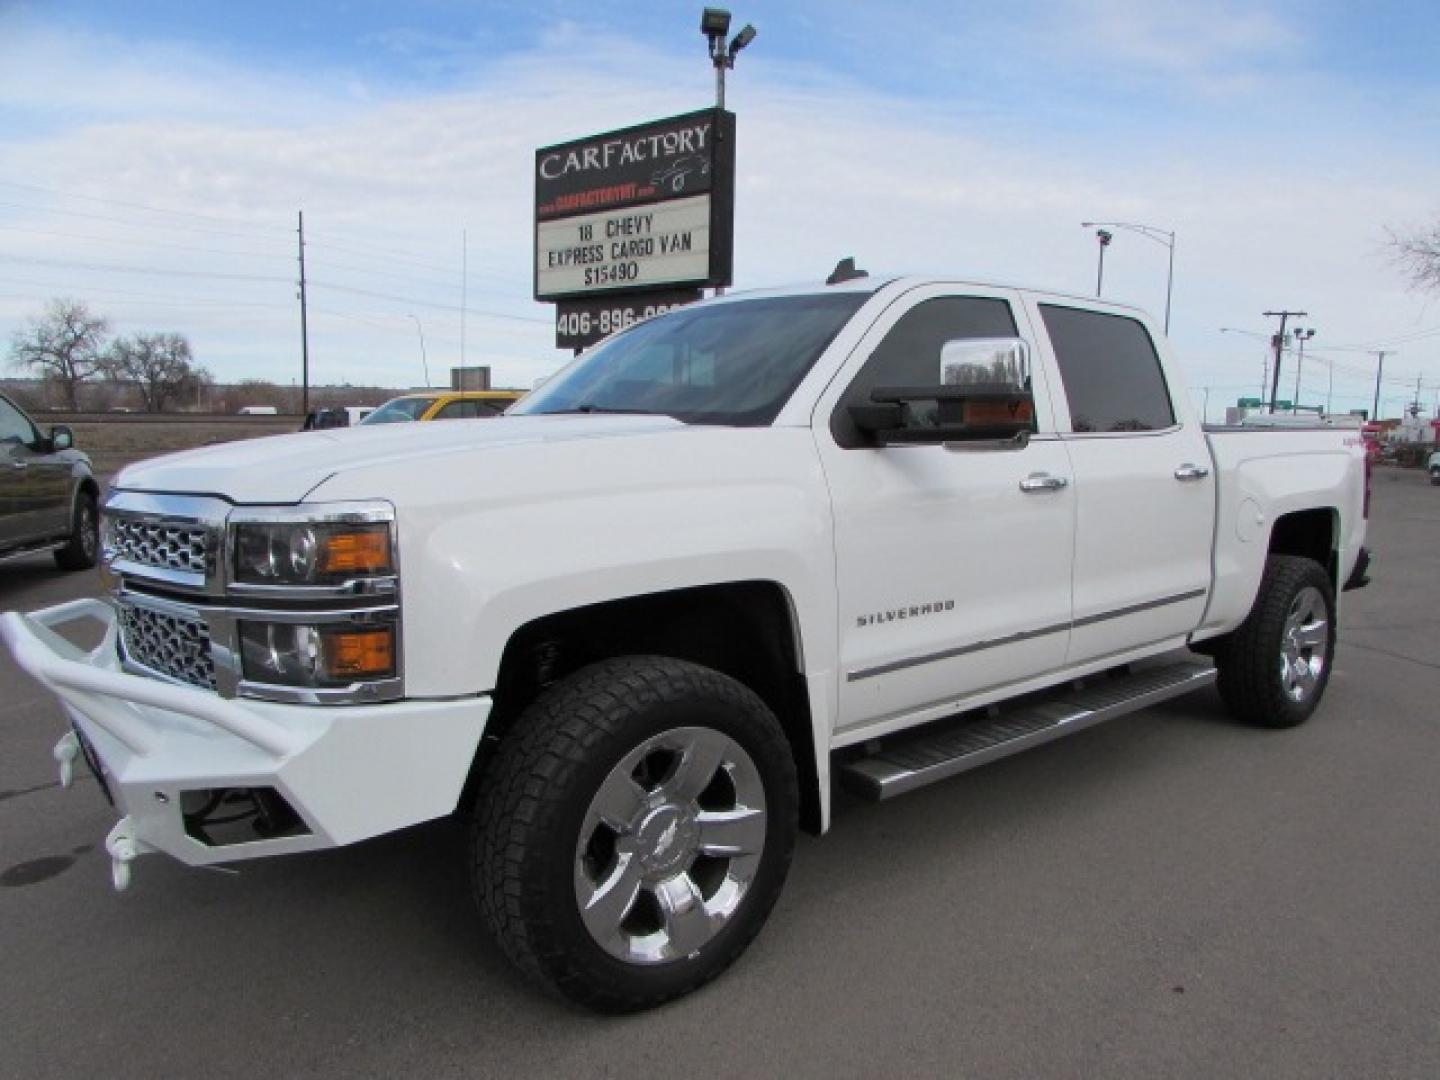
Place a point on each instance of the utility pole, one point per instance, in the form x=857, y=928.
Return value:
x=304, y=329
x=1278, y=341
x=1380, y=355
x=464, y=280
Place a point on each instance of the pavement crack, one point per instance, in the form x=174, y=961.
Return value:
x=1392, y=653
x=15, y=793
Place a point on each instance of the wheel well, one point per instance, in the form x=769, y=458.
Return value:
x=88, y=486
x=744, y=629
x=1308, y=533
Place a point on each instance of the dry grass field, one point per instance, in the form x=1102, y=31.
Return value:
x=114, y=440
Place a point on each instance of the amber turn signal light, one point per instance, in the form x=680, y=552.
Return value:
x=355, y=654
x=361, y=551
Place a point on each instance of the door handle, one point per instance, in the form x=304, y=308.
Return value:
x=1043, y=482
x=19, y=464
x=1191, y=472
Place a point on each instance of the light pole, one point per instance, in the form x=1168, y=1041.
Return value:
x=715, y=24
x=1301, y=336
x=1151, y=232
x=1104, y=238
x=423, y=358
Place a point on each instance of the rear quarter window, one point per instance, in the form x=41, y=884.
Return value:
x=1111, y=371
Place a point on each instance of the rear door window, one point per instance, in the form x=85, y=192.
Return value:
x=1110, y=369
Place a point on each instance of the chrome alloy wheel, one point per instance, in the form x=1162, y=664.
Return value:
x=670, y=845
x=89, y=533
x=1304, y=644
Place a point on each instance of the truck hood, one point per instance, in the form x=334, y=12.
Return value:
x=285, y=468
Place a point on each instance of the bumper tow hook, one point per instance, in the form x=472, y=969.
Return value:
x=65, y=753
x=123, y=848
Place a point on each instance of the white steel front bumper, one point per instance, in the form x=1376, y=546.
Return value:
x=349, y=772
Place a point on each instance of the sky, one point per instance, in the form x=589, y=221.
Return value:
x=154, y=157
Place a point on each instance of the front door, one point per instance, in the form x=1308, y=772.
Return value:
x=34, y=482
x=953, y=562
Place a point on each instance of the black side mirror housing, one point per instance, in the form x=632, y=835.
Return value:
x=965, y=413
x=61, y=438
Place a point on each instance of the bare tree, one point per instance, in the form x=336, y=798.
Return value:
x=65, y=346
x=1418, y=254
x=159, y=365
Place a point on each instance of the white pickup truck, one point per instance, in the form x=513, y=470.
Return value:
x=875, y=533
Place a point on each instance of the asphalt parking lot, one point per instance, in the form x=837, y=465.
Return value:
x=1167, y=895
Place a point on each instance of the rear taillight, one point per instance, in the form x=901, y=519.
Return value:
x=1368, y=466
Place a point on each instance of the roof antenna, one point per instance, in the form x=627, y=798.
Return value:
x=845, y=270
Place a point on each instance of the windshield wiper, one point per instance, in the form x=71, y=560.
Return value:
x=588, y=408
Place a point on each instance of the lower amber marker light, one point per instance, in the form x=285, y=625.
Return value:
x=360, y=653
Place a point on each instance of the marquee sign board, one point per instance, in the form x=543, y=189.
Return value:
x=646, y=207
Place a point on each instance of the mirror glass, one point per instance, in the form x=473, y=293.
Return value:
x=61, y=438
x=995, y=361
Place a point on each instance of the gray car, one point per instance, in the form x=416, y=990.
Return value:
x=47, y=493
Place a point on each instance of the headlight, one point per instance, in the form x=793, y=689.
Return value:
x=311, y=553
x=316, y=655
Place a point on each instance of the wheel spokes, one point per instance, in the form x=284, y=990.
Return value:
x=613, y=898
x=702, y=755
x=1312, y=634
x=682, y=910
x=727, y=833
x=618, y=802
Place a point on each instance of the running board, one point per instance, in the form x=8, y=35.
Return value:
x=913, y=759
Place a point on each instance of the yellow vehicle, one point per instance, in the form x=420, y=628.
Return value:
x=444, y=405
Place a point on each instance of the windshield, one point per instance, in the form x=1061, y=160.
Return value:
x=733, y=364
x=397, y=410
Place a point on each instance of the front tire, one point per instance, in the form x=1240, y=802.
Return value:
x=1274, y=668
x=634, y=830
x=82, y=550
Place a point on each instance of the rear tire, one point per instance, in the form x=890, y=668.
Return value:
x=633, y=831
x=82, y=550
x=1273, y=669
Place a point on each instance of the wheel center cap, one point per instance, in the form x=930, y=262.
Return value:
x=666, y=838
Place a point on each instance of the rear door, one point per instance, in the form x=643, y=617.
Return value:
x=953, y=571
x=1145, y=497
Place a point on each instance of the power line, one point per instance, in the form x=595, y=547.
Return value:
x=425, y=303
x=138, y=206
x=124, y=268
x=122, y=221
x=148, y=243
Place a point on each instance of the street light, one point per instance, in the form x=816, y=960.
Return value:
x=1301, y=336
x=1104, y=238
x=423, y=358
x=715, y=24
x=1151, y=232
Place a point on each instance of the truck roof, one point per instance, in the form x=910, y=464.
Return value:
x=875, y=284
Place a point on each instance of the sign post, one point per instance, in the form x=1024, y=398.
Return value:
x=633, y=222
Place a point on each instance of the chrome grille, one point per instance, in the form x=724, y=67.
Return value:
x=179, y=648
x=167, y=545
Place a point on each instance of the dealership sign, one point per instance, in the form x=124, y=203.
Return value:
x=646, y=208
